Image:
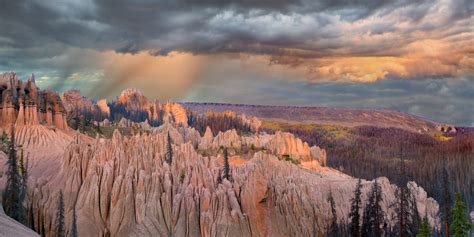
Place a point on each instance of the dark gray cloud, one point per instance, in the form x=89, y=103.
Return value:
x=442, y=99
x=216, y=26
x=422, y=40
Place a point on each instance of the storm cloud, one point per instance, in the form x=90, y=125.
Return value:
x=120, y=43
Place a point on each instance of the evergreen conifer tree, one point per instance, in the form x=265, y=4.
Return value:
x=60, y=216
x=445, y=212
x=24, y=178
x=373, y=219
x=74, y=223
x=424, y=229
x=12, y=195
x=460, y=225
x=415, y=217
x=226, y=164
x=169, y=150
x=354, y=215
x=4, y=142
x=406, y=210
x=333, y=228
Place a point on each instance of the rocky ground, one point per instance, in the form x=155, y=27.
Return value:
x=11, y=228
x=123, y=187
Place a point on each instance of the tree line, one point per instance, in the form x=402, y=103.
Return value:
x=217, y=123
x=15, y=194
x=409, y=222
x=369, y=152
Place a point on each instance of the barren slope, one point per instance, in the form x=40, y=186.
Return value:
x=324, y=115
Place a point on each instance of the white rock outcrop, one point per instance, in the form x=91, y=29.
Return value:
x=123, y=187
x=280, y=144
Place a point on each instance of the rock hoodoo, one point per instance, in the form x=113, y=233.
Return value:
x=23, y=103
x=123, y=187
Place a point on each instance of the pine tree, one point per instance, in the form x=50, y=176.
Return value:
x=446, y=199
x=373, y=219
x=4, y=142
x=12, y=195
x=226, y=164
x=83, y=125
x=460, y=226
x=98, y=128
x=415, y=217
x=24, y=177
x=169, y=150
x=406, y=211
x=60, y=216
x=424, y=229
x=74, y=223
x=219, y=177
x=333, y=229
x=354, y=215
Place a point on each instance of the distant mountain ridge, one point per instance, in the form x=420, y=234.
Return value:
x=348, y=117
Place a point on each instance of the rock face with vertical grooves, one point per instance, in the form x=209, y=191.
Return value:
x=123, y=187
x=279, y=144
x=22, y=103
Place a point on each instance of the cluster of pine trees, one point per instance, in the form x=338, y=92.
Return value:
x=217, y=123
x=119, y=111
x=14, y=195
x=408, y=219
x=16, y=187
x=369, y=152
x=59, y=227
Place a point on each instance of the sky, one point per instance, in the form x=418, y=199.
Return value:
x=407, y=55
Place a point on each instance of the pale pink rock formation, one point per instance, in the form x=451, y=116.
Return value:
x=319, y=155
x=133, y=100
x=34, y=106
x=123, y=187
x=12, y=228
x=253, y=122
x=229, y=139
x=174, y=112
x=280, y=144
x=103, y=107
x=206, y=139
x=74, y=101
x=283, y=143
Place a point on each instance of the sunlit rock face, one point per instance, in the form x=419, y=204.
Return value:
x=103, y=107
x=252, y=122
x=281, y=144
x=73, y=101
x=22, y=103
x=133, y=100
x=174, y=112
x=131, y=105
x=123, y=187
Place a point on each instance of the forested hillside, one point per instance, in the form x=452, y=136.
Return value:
x=369, y=152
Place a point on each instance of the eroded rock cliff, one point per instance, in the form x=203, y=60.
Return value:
x=23, y=103
x=123, y=187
